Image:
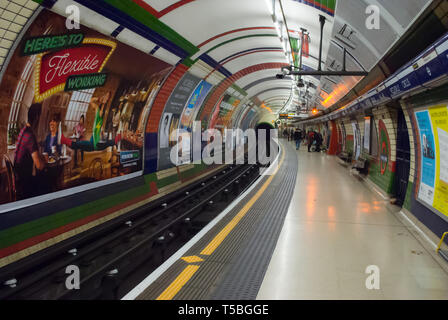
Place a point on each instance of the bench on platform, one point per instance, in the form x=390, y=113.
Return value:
x=345, y=156
x=361, y=165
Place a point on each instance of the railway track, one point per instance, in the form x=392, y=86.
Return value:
x=115, y=256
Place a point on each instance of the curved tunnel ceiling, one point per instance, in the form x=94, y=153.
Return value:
x=239, y=44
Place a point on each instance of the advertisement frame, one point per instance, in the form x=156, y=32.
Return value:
x=36, y=200
x=418, y=155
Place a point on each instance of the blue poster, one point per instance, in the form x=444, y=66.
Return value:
x=428, y=157
x=194, y=103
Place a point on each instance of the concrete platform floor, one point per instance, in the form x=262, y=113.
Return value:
x=335, y=228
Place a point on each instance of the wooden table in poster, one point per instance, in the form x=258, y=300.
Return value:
x=75, y=138
x=55, y=171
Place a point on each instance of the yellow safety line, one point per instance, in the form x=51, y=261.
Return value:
x=214, y=244
x=441, y=241
x=177, y=284
x=190, y=270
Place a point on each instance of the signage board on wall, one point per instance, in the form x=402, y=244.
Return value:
x=432, y=125
x=79, y=101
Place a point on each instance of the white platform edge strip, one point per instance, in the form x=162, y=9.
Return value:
x=423, y=234
x=138, y=290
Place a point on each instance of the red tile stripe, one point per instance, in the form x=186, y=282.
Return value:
x=233, y=31
x=174, y=6
x=162, y=98
x=147, y=7
x=225, y=84
x=239, y=56
x=159, y=14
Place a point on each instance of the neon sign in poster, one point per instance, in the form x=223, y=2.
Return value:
x=428, y=157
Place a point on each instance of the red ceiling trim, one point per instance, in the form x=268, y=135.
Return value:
x=147, y=7
x=233, y=31
x=238, y=56
x=221, y=89
x=159, y=14
x=174, y=6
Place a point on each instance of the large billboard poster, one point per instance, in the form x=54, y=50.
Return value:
x=73, y=111
x=171, y=117
x=433, y=130
x=187, y=119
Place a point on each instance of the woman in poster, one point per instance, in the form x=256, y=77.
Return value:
x=165, y=132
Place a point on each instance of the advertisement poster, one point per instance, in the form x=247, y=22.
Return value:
x=188, y=117
x=215, y=114
x=74, y=107
x=384, y=147
x=367, y=130
x=356, y=140
x=194, y=104
x=433, y=130
x=170, y=120
x=428, y=157
x=226, y=110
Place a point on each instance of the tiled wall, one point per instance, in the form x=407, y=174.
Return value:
x=14, y=14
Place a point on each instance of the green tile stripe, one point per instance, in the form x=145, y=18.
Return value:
x=141, y=15
x=150, y=178
x=385, y=182
x=349, y=146
x=188, y=62
x=193, y=171
x=236, y=39
x=407, y=200
x=238, y=89
x=161, y=183
x=330, y=4
x=34, y=228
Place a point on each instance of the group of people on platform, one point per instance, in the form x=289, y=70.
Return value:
x=311, y=138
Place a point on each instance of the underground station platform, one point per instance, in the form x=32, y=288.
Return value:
x=215, y=159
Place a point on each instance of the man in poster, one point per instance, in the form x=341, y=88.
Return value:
x=27, y=155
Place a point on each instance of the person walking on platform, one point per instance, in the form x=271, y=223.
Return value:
x=297, y=138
